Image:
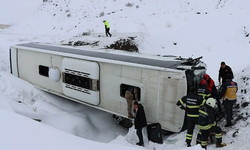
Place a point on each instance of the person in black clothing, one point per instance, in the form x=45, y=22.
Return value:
x=224, y=70
x=207, y=124
x=191, y=103
x=139, y=122
x=229, y=94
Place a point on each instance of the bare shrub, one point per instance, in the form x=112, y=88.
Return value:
x=129, y=5
x=101, y=14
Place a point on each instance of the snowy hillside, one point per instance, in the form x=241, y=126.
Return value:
x=218, y=30
x=197, y=27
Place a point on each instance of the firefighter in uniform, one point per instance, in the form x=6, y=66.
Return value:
x=229, y=93
x=203, y=90
x=130, y=95
x=191, y=103
x=207, y=124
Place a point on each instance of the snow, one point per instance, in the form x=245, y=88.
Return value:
x=214, y=29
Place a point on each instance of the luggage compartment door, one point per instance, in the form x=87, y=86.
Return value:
x=81, y=80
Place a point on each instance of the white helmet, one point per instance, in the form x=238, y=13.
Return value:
x=211, y=102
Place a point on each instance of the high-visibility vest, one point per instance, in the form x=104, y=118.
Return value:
x=230, y=93
x=106, y=24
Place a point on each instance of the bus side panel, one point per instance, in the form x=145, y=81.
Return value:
x=81, y=74
x=112, y=76
x=150, y=79
x=173, y=86
x=29, y=67
x=13, y=61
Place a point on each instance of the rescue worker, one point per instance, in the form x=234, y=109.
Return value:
x=229, y=94
x=139, y=122
x=224, y=71
x=203, y=90
x=213, y=90
x=207, y=124
x=130, y=95
x=191, y=104
x=107, y=28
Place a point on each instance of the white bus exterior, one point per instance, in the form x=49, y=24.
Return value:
x=99, y=78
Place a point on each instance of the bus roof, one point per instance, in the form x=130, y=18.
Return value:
x=171, y=62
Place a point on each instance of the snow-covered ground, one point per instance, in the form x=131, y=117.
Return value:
x=214, y=29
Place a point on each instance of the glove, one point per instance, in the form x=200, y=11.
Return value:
x=186, y=109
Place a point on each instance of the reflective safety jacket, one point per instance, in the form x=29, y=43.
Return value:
x=106, y=24
x=203, y=91
x=191, y=103
x=206, y=118
x=229, y=90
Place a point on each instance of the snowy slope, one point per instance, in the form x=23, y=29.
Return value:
x=214, y=29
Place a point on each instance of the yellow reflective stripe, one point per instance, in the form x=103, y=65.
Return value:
x=189, y=136
x=190, y=115
x=196, y=106
x=203, y=95
x=214, y=124
x=203, y=143
x=218, y=135
x=203, y=112
x=181, y=101
x=205, y=127
x=204, y=101
x=179, y=106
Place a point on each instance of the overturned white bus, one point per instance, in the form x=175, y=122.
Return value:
x=99, y=78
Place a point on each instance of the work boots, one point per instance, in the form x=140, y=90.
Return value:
x=221, y=145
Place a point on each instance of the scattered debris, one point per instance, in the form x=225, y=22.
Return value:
x=81, y=43
x=124, y=44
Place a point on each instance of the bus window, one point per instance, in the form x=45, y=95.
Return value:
x=43, y=70
x=125, y=87
x=194, y=79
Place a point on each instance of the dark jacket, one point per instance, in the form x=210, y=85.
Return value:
x=223, y=73
x=206, y=117
x=229, y=91
x=192, y=102
x=140, y=119
x=203, y=91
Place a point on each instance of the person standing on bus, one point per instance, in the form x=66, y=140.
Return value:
x=130, y=95
x=139, y=122
x=191, y=104
x=107, y=28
